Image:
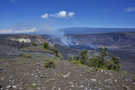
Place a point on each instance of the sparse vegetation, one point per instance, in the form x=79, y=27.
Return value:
x=46, y=45
x=27, y=55
x=100, y=61
x=75, y=62
x=55, y=51
x=60, y=74
x=103, y=52
x=34, y=44
x=94, y=62
x=49, y=64
x=73, y=58
x=116, y=63
x=84, y=56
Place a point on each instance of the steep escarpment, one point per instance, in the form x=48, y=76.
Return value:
x=120, y=44
x=10, y=45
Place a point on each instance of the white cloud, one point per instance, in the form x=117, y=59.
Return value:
x=14, y=31
x=60, y=14
x=44, y=16
x=130, y=9
x=71, y=14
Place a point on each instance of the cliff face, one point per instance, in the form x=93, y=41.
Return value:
x=10, y=45
x=121, y=44
x=118, y=40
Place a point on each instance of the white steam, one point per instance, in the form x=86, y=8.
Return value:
x=56, y=34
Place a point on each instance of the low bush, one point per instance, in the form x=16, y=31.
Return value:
x=34, y=44
x=55, y=51
x=93, y=62
x=27, y=55
x=49, y=64
x=103, y=60
x=74, y=61
x=46, y=45
x=84, y=56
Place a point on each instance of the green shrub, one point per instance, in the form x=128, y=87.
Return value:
x=46, y=45
x=56, y=52
x=75, y=62
x=73, y=58
x=116, y=62
x=109, y=64
x=84, y=56
x=49, y=64
x=70, y=59
x=99, y=61
x=94, y=62
x=53, y=49
x=116, y=67
x=76, y=58
x=27, y=55
x=103, y=52
x=113, y=64
x=34, y=44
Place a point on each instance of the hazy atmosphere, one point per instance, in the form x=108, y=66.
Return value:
x=67, y=44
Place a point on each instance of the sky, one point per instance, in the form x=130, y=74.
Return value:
x=37, y=15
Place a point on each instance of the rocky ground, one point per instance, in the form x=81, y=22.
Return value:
x=29, y=73
x=26, y=71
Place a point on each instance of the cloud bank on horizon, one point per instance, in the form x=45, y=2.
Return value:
x=60, y=14
x=17, y=31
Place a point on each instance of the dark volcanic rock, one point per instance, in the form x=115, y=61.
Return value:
x=10, y=45
x=9, y=48
x=8, y=51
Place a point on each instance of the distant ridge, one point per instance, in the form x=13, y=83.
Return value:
x=87, y=30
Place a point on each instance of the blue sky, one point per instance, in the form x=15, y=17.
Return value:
x=54, y=14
